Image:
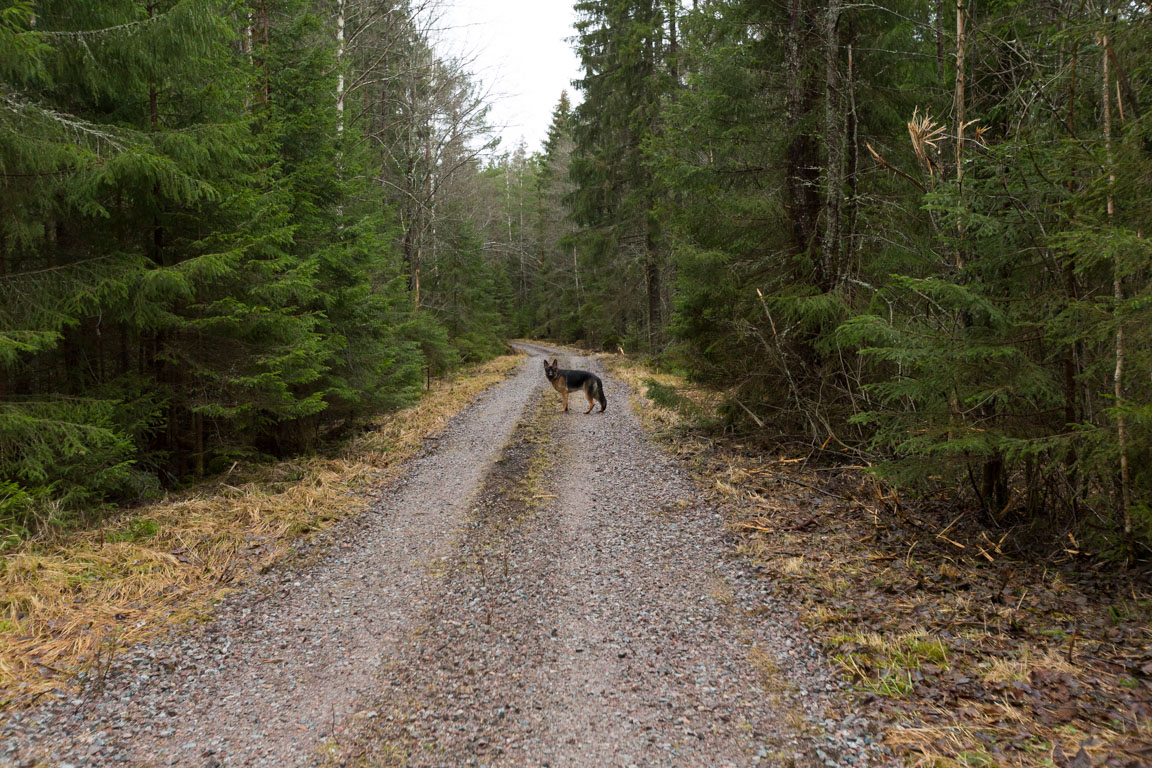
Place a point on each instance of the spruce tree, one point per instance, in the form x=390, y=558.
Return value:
x=621, y=44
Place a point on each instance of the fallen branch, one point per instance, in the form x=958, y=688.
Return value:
x=755, y=418
x=829, y=494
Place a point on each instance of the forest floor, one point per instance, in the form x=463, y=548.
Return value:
x=974, y=644
x=534, y=588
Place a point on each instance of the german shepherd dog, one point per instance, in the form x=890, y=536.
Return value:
x=565, y=381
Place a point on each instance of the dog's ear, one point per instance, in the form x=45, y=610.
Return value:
x=555, y=363
x=546, y=364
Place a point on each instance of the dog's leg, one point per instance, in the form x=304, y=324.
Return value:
x=591, y=402
x=564, y=394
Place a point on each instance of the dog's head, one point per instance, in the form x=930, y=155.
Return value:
x=550, y=369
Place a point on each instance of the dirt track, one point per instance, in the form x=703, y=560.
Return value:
x=540, y=589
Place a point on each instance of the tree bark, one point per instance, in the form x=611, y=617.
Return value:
x=834, y=141
x=1118, y=301
x=198, y=428
x=959, y=95
x=800, y=163
x=261, y=36
x=340, y=66
x=154, y=122
x=652, y=283
x=960, y=117
x=852, y=135
x=940, y=40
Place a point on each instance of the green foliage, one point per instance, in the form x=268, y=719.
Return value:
x=137, y=528
x=72, y=449
x=623, y=47
x=200, y=258
x=790, y=178
x=16, y=506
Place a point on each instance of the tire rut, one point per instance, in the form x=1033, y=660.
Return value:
x=457, y=692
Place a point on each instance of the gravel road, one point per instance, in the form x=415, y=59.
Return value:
x=539, y=589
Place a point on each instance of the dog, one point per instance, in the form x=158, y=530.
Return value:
x=565, y=381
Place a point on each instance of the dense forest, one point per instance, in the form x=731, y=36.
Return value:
x=902, y=232
x=227, y=230
x=908, y=233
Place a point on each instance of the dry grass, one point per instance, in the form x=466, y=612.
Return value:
x=68, y=601
x=766, y=668
x=694, y=402
x=1020, y=667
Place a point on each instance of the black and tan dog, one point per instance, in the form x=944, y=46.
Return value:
x=565, y=381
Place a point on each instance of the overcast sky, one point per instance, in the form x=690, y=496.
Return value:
x=522, y=54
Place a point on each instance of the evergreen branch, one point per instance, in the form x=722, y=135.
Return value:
x=86, y=33
x=133, y=26
x=66, y=122
x=57, y=268
x=36, y=175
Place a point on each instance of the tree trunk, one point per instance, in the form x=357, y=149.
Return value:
x=994, y=485
x=340, y=66
x=652, y=284
x=1071, y=358
x=1118, y=302
x=198, y=428
x=959, y=95
x=834, y=141
x=157, y=245
x=3, y=271
x=852, y=135
x=960, y=117
x=940, y=40
x=800, y=163
x=261, y=36
x=123, y=358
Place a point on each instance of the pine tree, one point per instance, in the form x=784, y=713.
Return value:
x=184, y=278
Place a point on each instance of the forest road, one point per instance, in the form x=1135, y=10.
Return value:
x=538, y=589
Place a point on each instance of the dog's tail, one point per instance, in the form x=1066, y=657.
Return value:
x=600, y=395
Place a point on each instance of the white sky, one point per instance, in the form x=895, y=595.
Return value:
x=522, y=54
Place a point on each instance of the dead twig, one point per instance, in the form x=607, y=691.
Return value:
x=885, y=164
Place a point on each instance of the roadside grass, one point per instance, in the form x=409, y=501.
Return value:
x=971, y=651
x=666, y=402
x=888, y=665
x=70, y=600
